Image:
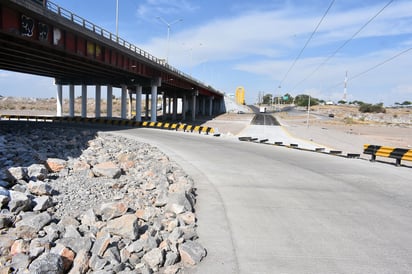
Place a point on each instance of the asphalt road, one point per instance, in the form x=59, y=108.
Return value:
x=268, y=209
x=263, y=119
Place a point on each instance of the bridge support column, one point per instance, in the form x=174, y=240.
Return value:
x=153, y=114
x=71, y=100
x=138, y=103
x=204, y=106
x=109, y=101
x=155, y=83
x=194, y=99
x=211, y=105
x=98, y=100
x=174, y=115
x=169, y=105
x=184, y=107
x=147, y=106
x=130, y=93
x=84, y=101
x=123, y=102
x=164, y=107
x=59, y=101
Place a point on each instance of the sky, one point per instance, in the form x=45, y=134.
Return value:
x=266, y=46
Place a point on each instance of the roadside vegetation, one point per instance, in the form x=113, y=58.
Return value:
x=369, y=108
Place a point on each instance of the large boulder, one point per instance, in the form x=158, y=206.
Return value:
x=47, y=263
x=55, y=164
x=191, y=252
x=125, y=226
x=18, y=202
x=107, y=169
x=154, y=258
x=35, y=221
x=17, y=173
x=37, y=171
x=39, y=188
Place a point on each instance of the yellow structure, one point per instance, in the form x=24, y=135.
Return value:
x=240, y=95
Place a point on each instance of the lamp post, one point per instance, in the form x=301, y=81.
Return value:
x=168, y=33
x=117, y=18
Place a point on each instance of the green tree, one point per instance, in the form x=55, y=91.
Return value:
x=303, y=100
x=287, y=98
x=267, y=99
x=358, y=103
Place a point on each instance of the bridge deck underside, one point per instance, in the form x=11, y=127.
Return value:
x=41, y=60
x=35, y=40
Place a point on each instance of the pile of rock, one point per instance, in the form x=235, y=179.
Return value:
x=118, y=206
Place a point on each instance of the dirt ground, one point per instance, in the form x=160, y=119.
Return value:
x=393, y=128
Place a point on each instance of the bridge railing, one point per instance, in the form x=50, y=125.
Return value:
x=115, y=38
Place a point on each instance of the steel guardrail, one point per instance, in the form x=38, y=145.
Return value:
x=296, y=146
x=390, y=152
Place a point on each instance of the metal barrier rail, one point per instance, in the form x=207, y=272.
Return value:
x=390, y=152
x=114, y=122
x=296, y=146
x=115, y=38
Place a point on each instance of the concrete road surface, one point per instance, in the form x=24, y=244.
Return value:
x=268, y=209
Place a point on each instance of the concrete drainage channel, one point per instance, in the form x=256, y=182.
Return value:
x=296, y=146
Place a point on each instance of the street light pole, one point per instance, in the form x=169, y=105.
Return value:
x=168, y=33
x=117, y=18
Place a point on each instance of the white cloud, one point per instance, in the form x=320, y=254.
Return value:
x=4, y=74
x=403, y=89
x=275, y=33
x=153, y=8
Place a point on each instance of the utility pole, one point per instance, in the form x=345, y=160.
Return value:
x=307, y=119
x=117, y=19
x=345, y=86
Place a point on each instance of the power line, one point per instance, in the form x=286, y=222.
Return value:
x=374, y=67
x=381, y=63
x=345, y=43
x=307, y=42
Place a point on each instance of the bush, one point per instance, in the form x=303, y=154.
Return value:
x=348, y=120
x=378, y=108
x=303, y=100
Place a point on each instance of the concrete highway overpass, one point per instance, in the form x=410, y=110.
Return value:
x=42, y=38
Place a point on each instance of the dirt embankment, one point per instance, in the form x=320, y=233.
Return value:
x=393, y=128
x=47, y=106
